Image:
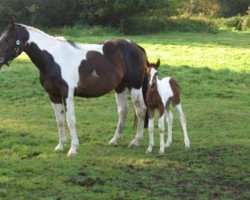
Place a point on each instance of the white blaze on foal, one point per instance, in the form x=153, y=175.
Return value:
x=160, y=94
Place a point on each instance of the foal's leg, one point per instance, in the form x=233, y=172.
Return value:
x=140, y=107
x=122, y=106
x=183, y=124
x=151, y=132
x=169, y=119
x=162, y=129
x=70, y=114
x=59, y=112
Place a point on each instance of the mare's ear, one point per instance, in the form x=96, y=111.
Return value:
x=158, y=63
x=11, y=26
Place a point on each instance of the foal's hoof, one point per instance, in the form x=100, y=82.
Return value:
x=72, y=154
x=168, y=144
x=134, y=143
x=161, y=152
x=113, y=142
x=149, y=150
x=187, y=146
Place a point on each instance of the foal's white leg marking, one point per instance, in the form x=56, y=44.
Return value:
x=169, y=119
x=151, y=135
x=71, y=123
x=183, y=124
x=122, y=106
x=140, y=107
x=59, y=112
x=162, y=129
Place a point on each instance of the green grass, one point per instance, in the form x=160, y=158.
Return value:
x=214, y=72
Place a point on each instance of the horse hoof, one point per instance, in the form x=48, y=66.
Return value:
x=167, y=145
x=133, y=144
x=59, y=147
x=187, y=146
x=113, y=142
x=149, y=151
x=161, y=152
x=72, y=154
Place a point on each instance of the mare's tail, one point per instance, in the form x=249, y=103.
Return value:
x=144, y=92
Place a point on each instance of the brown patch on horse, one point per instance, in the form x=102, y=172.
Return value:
x=176, y=91
x=154, y=102
x=100, y=73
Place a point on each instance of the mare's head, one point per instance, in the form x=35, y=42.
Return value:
x=12, y=42
x=152, y=72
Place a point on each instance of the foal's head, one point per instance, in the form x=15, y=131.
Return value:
x=12, y=43
x=152, y=71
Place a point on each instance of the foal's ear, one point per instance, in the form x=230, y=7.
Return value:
x=158, y=63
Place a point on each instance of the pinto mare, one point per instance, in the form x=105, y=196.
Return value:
x=159, y=95
x=91, y=70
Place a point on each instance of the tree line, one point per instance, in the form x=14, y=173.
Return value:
x=59, y=13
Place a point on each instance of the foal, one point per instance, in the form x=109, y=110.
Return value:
x=159, y=95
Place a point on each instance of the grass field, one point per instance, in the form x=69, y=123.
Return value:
x=214, y=72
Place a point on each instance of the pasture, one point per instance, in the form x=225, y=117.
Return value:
x=214, y=73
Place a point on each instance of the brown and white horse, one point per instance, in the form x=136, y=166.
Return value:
x=159, y=95
x=90, y=70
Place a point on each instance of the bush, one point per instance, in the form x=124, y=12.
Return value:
x=45, y=13
x=215, y=8
x=143, y=25
x=246, y=22
x=147, y=25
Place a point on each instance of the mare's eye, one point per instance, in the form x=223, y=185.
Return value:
x=6, y=40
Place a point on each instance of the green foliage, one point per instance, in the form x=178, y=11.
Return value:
x=215, y=8
x=147, y=25
x=113, y=12
x=130, y=17
x=214, y=74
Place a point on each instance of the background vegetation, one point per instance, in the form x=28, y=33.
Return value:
x=212, y=69
x=131, y=16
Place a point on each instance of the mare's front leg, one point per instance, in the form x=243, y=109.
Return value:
x=122, y=107
x=59, y=112
x=70, y=114
x=151, y=131
x=140, y=107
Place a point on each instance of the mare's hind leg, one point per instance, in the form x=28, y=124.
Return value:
x=59, y=112
x=122, y=106
x=169, y=119
x=140, y=107
x=183, y=124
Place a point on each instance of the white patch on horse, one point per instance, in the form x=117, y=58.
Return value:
x=153, y=72
x=94, y=74
x=65, y=55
